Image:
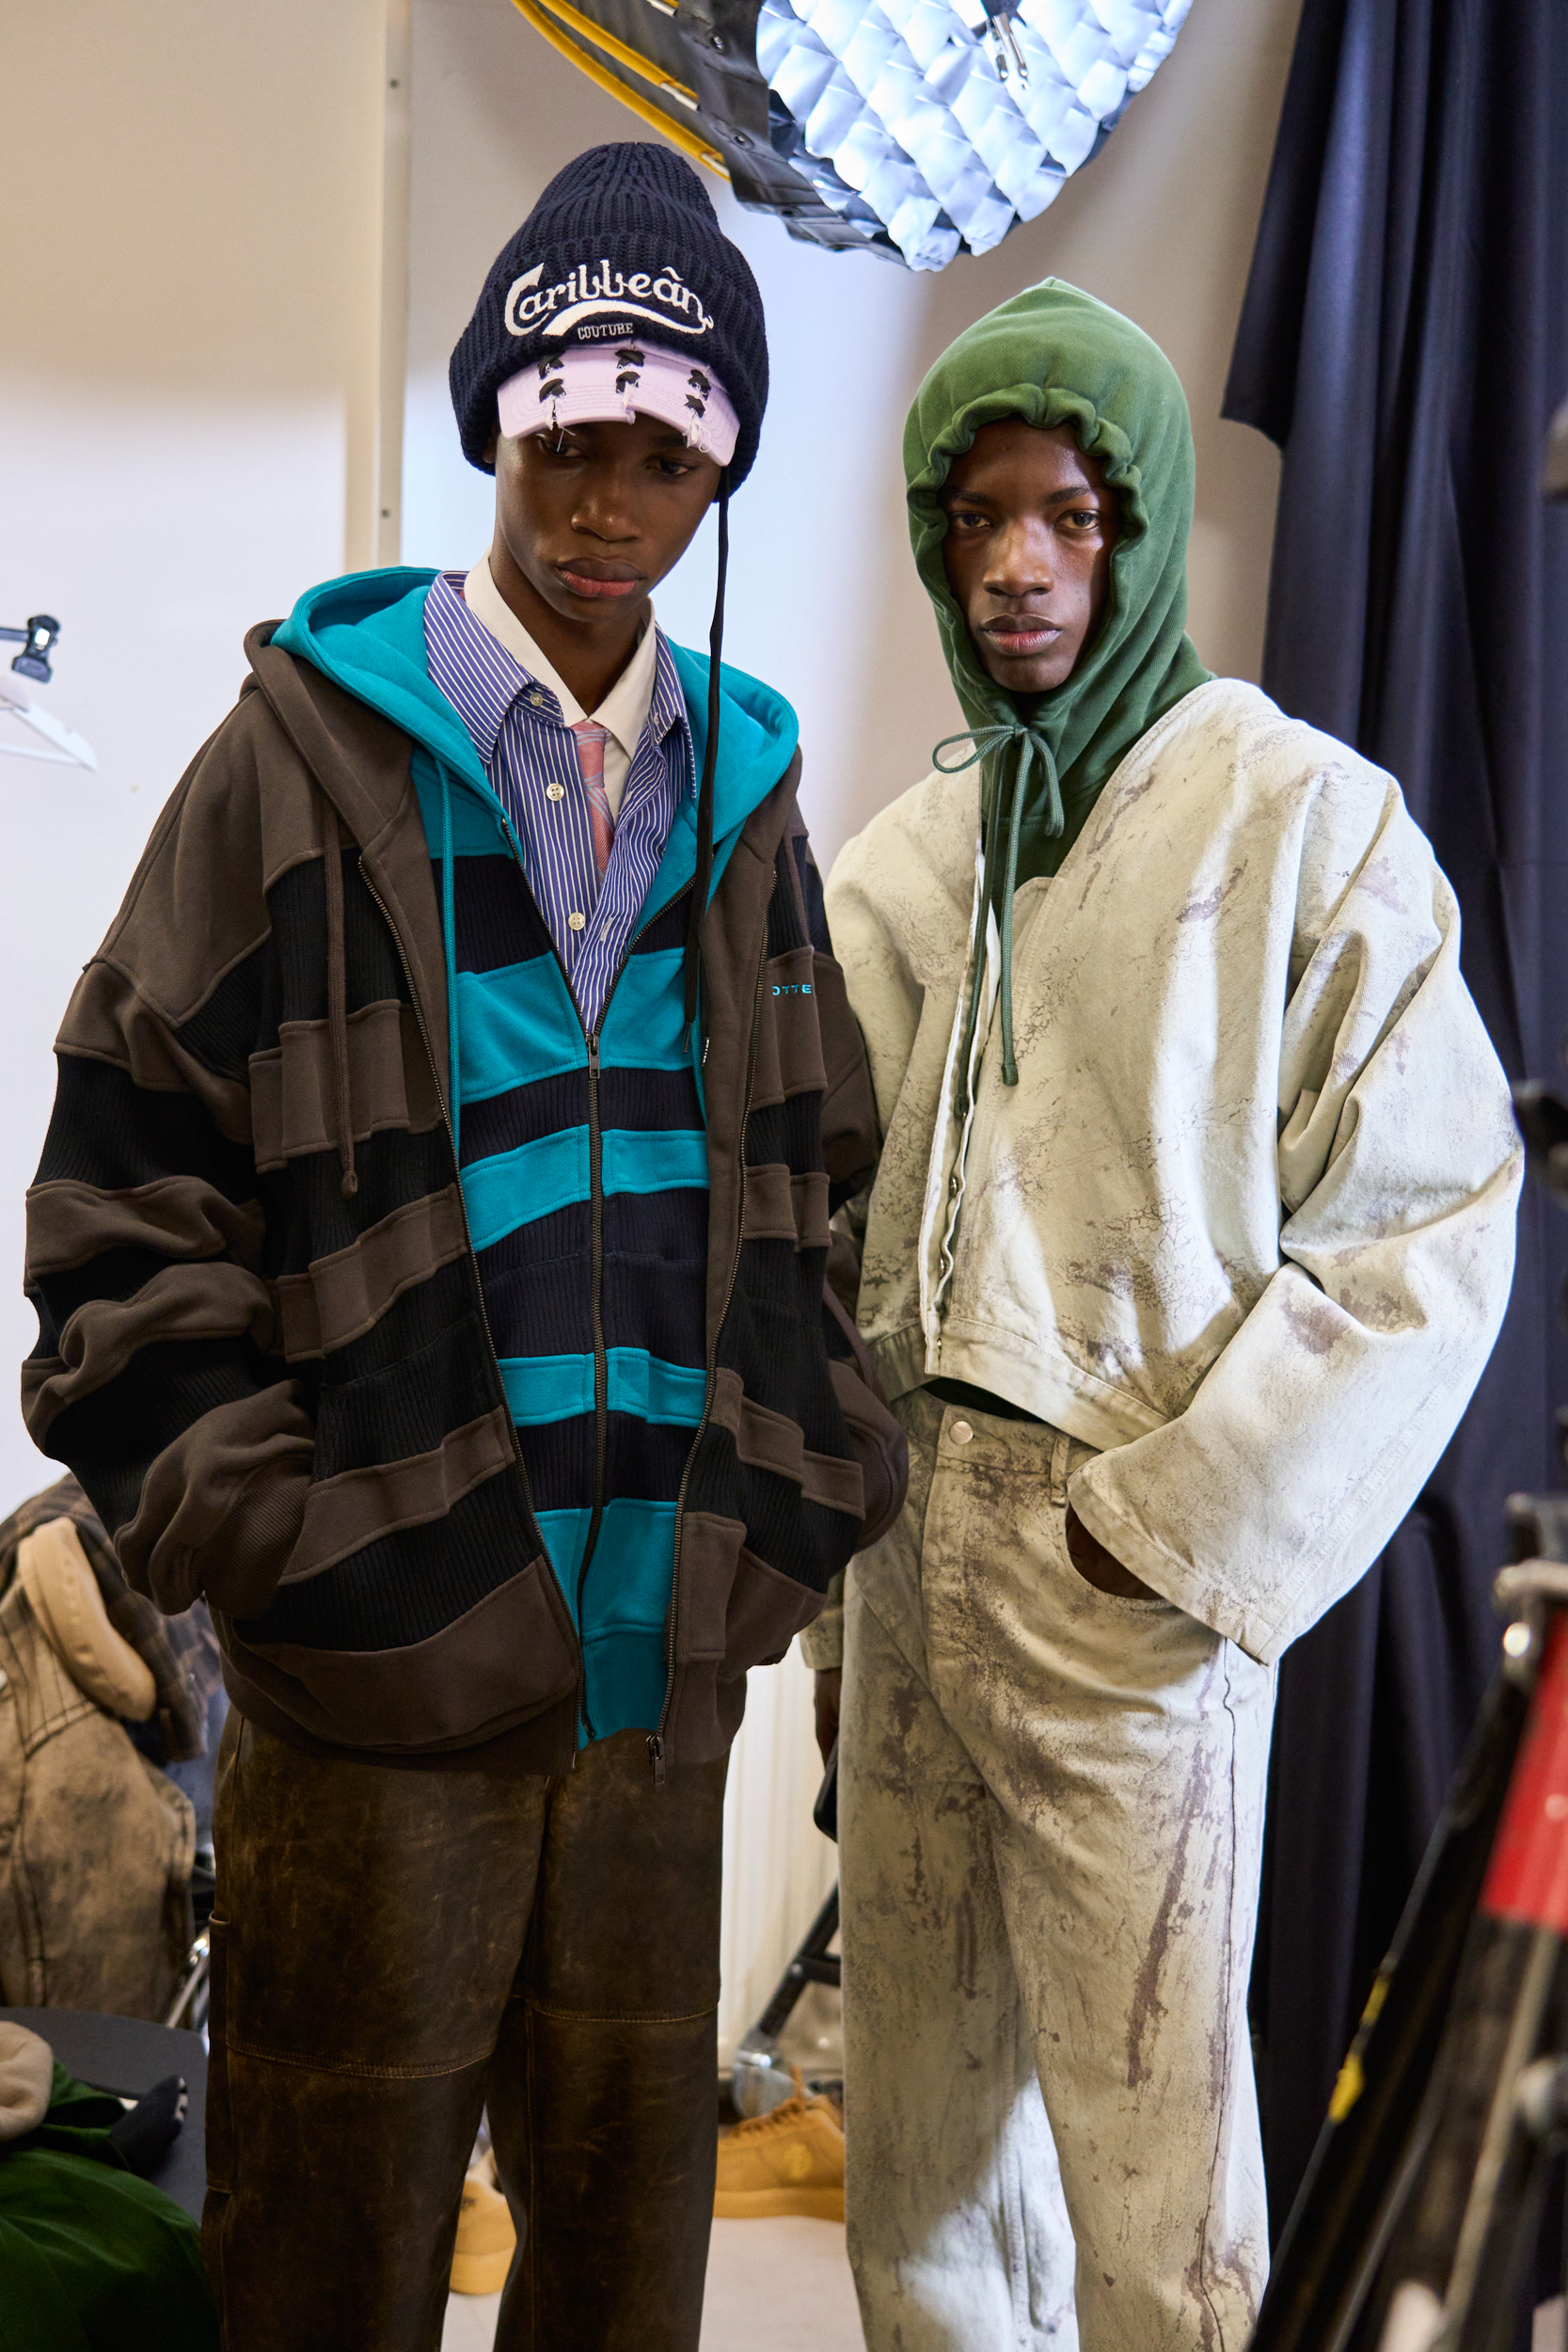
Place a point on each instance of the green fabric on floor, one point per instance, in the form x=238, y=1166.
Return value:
x=92, y=2259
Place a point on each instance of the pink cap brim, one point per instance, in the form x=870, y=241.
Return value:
x=610, y=384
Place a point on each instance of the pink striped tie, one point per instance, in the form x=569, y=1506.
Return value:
x=591, y=743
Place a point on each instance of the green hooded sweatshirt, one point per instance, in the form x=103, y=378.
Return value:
x=1055, y=356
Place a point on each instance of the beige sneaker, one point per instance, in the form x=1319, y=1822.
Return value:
x=790, y=2160
x=486, y=2238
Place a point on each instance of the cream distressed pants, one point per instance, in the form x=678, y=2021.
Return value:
x=1050, y=1823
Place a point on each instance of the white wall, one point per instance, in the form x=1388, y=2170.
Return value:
x=188, y=376
x=187, y=367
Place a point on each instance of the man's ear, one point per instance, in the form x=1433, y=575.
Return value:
x=490, y=452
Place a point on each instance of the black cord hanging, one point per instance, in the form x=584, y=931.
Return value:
x=704, y=877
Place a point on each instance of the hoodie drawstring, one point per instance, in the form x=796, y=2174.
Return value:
x=703, y=880
x=1004, y=833
x=337, y=1005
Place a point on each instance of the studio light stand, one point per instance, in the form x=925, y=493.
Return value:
x=37, y=641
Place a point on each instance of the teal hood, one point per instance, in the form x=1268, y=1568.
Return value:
x=366, y=632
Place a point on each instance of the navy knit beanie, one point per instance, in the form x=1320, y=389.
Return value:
x=624, y=242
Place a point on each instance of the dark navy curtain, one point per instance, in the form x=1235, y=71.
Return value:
x=1404, y=341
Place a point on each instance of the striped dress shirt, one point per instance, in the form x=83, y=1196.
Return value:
x=530, y=756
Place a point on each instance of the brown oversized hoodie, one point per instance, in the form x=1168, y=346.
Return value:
x=248, y=1225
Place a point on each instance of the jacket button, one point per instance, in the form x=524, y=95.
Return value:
x=961, y=1433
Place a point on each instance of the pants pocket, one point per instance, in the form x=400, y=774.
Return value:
x=1130, y=1606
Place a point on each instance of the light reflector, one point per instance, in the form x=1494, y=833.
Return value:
x=916, y=128
x=941, y=125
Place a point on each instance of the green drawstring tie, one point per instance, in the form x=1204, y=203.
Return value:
x=1007, y=818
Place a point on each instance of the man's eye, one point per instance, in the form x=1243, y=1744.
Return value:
x=964, y=519
x=673, y=470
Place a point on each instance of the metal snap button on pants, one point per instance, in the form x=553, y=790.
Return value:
x=1051, y=1806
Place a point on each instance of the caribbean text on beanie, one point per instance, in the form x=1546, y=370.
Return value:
x=624, y=242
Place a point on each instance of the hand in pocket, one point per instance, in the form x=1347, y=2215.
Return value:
x=1099, y=1567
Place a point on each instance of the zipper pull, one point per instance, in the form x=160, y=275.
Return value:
x=656, y=1757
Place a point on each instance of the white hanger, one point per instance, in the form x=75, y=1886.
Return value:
x=70, y=751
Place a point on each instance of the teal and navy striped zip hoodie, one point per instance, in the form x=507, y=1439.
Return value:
x=583, y=1157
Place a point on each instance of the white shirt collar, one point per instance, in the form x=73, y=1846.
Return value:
x=623, y=710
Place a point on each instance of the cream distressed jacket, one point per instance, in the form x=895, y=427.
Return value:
x=1245, y=1223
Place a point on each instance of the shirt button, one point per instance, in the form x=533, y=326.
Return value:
x=555, y=792
x=577, y=921
x=961, y=1433
x=536, y=698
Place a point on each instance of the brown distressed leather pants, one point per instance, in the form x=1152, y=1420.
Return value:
x=394, y=1949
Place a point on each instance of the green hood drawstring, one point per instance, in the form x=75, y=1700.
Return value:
x=999, y=888
x=1053, y=357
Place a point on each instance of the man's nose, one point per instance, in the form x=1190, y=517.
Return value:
x=1020, y=562
x=606, y=512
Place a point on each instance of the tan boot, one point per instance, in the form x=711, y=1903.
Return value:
x=790, y=2160
x=486, y=2238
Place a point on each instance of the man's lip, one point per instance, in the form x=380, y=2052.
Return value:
x=594, y=578
x=1022, y=633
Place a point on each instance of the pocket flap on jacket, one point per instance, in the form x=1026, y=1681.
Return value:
x=767, y=1611
x=709, y=1548
x=733, y=1610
